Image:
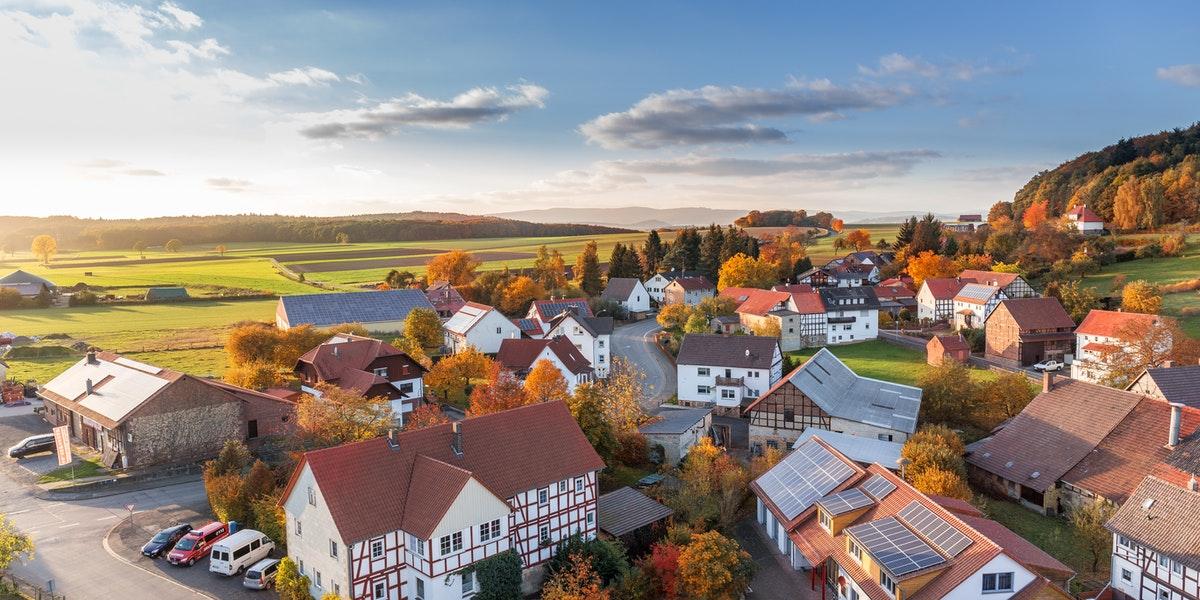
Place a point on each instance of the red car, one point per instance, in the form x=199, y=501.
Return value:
x=195, y=545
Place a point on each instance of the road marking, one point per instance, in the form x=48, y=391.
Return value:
x=20, y=512
x=67, y=525
x=109, y=517
x=112, y=553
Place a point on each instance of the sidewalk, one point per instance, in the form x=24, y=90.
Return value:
x=775, y=579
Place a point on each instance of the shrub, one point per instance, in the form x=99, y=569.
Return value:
x=10, y=298
x=632, y=449
x=83, y=298
x=1151, y=250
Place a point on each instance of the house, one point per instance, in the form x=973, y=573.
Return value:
x=27, y=284
x=862, y=450
x=166, y=294
x=543, y=311
x=974, y=303
x=1012, y=284
x=871, y=257
x=519, y=355
x=727, y=324
x=1079, y=442
x=935, y=299
x=816, y=277
x=529, y=327
x=1082, y=219
x=478, y=326
x=656, y=286
x=1171, y=383
x=1155, y=537
x=592, y=336
x=444, y=298
x=765, y=310
x=629, y=293
x=853, y=275
x=1103, y=333
x=864, y=532
x=676, y=430
x=726, y=372
x=824, y=393
x=366, y=366
x=377, y=311
x=900, y=280
x=408, y=515
x=1025, y=331
x=792, y=288
x=851, y=314
x=896, y=298
x=688, y=291
x=947, y=347
x=138, y=415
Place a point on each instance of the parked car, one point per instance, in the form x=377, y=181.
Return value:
x=32, y=445
x=163, y=541
x=196, y=544
x=238, y=551
x=261, y=575
x=1048, y=365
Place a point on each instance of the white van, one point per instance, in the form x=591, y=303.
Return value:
x=238, y=551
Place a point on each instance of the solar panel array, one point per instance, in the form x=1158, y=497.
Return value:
x=803, y=477
x=934, y=528
x=845, y=501
x=895, y=547
x=878, y=487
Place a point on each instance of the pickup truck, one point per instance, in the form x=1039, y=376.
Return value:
x=1048, y=365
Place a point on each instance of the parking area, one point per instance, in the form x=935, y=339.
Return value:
x=18, y=423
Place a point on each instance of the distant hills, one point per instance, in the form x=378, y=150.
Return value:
x=646, y=218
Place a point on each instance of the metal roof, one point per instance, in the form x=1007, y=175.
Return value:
x=676, y=420
x=624, y=510
x=842, y=393
x=466, y=317
x=117, y=387
x=859, y=449
x=324, y=310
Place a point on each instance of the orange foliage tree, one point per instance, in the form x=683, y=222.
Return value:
x=663, y=566
x=928, y=265
x=502, y=392
x=941, y=482
x=339, y=416
x=713, y=567
x=837, y=225
x=859, y=239
x=455, y=266
x=425, y=415
x=453, y=374
x=518, y=295
x=1036, y=214
x=578, y=581
x=545, y=383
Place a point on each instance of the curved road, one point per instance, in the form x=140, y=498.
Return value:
x=635, y=343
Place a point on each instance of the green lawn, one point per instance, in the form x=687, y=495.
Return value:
x=1158, y=271
x=1051, y=534
x=86, y=467
x=204, y=362
x=878, y=359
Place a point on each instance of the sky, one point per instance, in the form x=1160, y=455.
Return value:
x=115, y=109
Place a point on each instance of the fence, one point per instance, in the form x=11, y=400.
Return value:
x=11, y=584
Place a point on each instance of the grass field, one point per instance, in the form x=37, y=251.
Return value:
x=1051, y=534
x=878, y=359
x=1158, y=271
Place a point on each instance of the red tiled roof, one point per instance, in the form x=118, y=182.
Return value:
x=1133, y=449
x=1037, y=313
x=793, y=288
x=332, y=361
x=693, y=283
x=755, y=301
x=444, y=297
x=952, y=342
x=989, y=277
x=903, y=280
x=889, y=292
x=371, y=487
x=944, y=288
x=520, y=354
x=1108, y=323
x=808, y=303
x=1040, y=588
x=961, y=507
x=1085, y=214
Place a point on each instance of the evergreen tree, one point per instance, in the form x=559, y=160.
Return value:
x=710, y=252
x=587, y=270
x=950, y=248
x=927, y=235
x=616, y=261
x=652, y=254
x=904, y=237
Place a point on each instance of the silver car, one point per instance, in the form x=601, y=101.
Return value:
x=261, y=575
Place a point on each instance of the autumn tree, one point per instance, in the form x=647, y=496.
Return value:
x=289, y=583
x=140, y=247
x=549, y=269
x=173, y=245
x=998, y=211
x=1076, y=299
x=14, y=545
x=399, y=280
x=502, y=392
x=427, y=414
x=423, y=326
x=1141, y=296
x=456, y=266
x=859, y=239
x=545, y=383
x=253, y=375
x=519, y=294
x=413, y=349
x=1035, y=215
x=941, y=482
x=1144, y=344
x=1127, y=205
x=339, y=416
x=744, y=271
x=223, y=482
x=622, y=393
x=837, y=225
x=1087, y=523
x=250, y=343
x=928, y=265
x=713, y=567
x=1002, y=398
x=577, y=582
x=663, y=565
x=769, y=328
x=221, y=249
x=763, y=462
x=696, y=323
x=44, y=247
x=933, y=447
x=453, y=374
x=587, y=406
x=587, y=270
x=674, y=317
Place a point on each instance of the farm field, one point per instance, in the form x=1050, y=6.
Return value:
x=878, y=359
x=1158, y=271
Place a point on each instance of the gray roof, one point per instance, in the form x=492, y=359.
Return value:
x=166, y=293
x=743, y=351
x=676, y=420
x=619, y=288
x=20, y=276
x=25, y=289
x=324, y=310
x=625, y=510
x=856, y=298
x=595, y=326
x=979, y=293
x=842, y=393
x=548, y=309
x=674, y=274
x=859, y=449
x=1177, y=384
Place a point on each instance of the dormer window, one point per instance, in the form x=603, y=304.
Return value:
x=826, y=522
x=382, y=372
x=887, y=583
x=855, y=550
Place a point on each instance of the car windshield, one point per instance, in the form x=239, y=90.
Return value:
x=253, y=575
x=161, y=537
x=185, y=544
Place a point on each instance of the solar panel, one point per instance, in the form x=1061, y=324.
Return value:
x=802, y=478
x=845, y=501
x=895, y=547
x=878, y=487
x=934, y=528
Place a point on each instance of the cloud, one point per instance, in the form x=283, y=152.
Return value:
x=144, y=172
x=900, y=65
x=1185, y=75
x=895, y=63
x=182, y=19
x=727, y=115
x=227, y=184
x=208, y=49
x=474, y=106
x=309, y=76
x=849, y=165
x=104, y=168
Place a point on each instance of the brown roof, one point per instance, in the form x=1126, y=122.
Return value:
x=1171, y=524
x=693, y=284
x=755, y=301
x=344, y=362
x=1040, y=589
x=444, y=297
x=792, y=288
x=741, y=351
x=897, y=290
x=989, y=277
x=1108, y=323
x=1133, y=449
x=520, y=354
x=808, y=303
x=951, y=342
x=1056, y=430
x=955, y=505
x=372, y=487
x=624, y=510
x=1037, y=313
x=944, y=288
x=1017, y=547
x=619, y=288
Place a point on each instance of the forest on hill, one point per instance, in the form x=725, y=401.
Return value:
x=89, y=234
x=1136, y=183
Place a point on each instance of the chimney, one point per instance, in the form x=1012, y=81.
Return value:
x=91, y=357
x=89, y=386
x=335, y=350
x=1166, y=364
x=393, y=441
x=1176, y=417
x=1047, y=381
x=456, y=440
x=1193, y=485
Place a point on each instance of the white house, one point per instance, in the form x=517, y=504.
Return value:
x=406, y=516
x=591, y=335
x=851, y=314
x=677, y=430
x=629, y=293
x=479, y=326
x=518, y=356
x=726, y=371
x=657, y=285
x=974, y=303
x=1083, y=220
x=543, y=311
x=1154, y=543
x=935, y=299
x=366, y=366
x=688, y=291
x=1100, y=334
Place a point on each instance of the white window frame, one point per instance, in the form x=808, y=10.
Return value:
x=544, y=534
x=702, y=371
x=333, y=549
x=312, y=496
x=416, y=545
x=379, y=590
x=544, y=496
x=299, y=528
x=468, y=584
x=578, y=484
x=377, y=545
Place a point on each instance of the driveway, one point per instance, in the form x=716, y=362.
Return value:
x=775, y=579
x=635, y=343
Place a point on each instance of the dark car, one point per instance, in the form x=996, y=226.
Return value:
x=32, y=445
x=163, y=541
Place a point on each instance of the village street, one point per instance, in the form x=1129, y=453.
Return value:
x=635, y=343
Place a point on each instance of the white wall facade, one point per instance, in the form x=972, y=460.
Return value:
x=698, y=383
x=485, y=335
x=638, y=300
x=864, y=327
x=1159, y=575
x=655, y=286
x=972, y=587
x=309, y=543
x=596, y=349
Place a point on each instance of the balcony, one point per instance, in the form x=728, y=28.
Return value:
x=839, y=320
x=730, y=382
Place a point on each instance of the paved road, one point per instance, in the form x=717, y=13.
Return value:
x=635, y=343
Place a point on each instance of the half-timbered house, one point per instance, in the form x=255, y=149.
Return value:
x=1155, y=537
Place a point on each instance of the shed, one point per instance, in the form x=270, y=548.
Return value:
x=942, y=347
x=677, y=430
x=624, y=511
x=166, y=294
